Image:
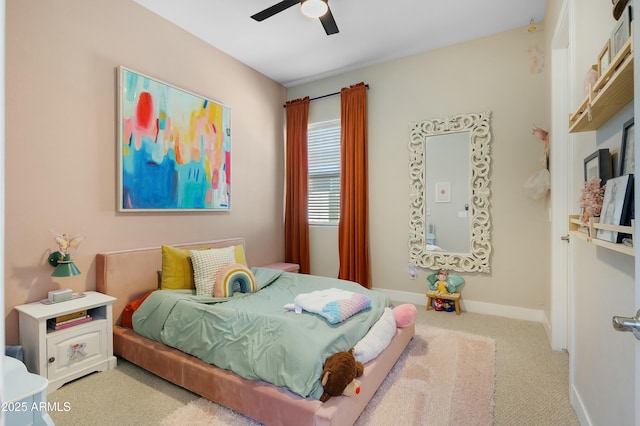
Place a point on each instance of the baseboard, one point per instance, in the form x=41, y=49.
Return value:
x=514, y=312
x=578, y=406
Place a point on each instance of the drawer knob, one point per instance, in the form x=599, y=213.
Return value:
x=52, y=359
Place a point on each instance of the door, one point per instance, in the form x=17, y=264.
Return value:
x=560, y=183
x=631, y=322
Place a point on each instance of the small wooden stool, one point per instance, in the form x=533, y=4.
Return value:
x=455, y=297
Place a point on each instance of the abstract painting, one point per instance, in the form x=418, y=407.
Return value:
x=174, y=147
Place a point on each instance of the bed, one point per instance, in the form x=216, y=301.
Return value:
x=130, y=274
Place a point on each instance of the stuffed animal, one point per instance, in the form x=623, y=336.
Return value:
x=442, y=286
x=438, y=305
x=450, y=284
x=338, y=375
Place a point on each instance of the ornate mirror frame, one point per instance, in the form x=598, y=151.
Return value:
x=478, y=260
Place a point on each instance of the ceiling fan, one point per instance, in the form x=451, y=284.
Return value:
x=313, y=8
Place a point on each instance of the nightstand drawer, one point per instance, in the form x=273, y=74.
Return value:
x=73, y=349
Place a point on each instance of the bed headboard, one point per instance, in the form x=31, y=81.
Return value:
x=129, y=274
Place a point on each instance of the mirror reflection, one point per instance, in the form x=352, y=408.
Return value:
x=448, y=188
x=449, y=167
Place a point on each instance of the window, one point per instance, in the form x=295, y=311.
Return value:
x=323, y=141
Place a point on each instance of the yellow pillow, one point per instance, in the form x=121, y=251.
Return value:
x=177, y=271
x=239, y=254
x=177, y=268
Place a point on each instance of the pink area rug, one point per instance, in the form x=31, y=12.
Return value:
x=444, y=378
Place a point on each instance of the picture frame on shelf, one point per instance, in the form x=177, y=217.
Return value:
x=621, y=32
x=598, y=165
x=604, y=58
x=627, y=155
x=616, y=207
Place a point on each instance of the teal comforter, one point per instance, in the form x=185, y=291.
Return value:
x=252, y=334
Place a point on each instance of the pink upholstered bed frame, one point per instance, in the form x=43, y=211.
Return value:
x=129, y=274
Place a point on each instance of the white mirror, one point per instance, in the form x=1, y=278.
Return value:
x=449, y=165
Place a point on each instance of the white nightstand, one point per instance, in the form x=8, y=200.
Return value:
x=65, y=355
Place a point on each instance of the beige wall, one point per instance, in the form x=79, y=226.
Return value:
x=490, y=74
x=61, y=140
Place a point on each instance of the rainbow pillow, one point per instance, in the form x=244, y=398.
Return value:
x=234, y=276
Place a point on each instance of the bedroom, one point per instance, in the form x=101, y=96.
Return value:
x=61, y=58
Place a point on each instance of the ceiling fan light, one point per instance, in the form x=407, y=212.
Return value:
x=314, y=8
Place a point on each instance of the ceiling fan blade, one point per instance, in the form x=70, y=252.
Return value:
x=276, y=8
x=329, y=24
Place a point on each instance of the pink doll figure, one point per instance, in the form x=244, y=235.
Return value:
x=442, y=286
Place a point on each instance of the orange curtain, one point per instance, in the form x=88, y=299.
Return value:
x=353, y=230
x=296, y=224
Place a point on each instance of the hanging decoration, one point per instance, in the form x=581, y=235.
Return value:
x=539, y=183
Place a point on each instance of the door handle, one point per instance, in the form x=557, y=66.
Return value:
x=565, y=238
x=631, y=324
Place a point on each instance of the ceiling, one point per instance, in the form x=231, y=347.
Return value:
x=293, y=49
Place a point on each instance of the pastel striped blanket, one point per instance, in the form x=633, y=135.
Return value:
x=334, y=304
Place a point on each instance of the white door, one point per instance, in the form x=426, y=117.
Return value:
x=631, y=322
x=560, y=183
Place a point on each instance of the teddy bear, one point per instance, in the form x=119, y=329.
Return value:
x=339, y=373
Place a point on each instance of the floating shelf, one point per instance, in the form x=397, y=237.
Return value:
x=608, y=95
x=588, y=233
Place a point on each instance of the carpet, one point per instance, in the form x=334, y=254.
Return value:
x=444, y=378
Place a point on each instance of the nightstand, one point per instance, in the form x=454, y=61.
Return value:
x=287, y=267
x=66, y=354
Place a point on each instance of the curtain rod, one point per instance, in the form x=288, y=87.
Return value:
x=326, y=96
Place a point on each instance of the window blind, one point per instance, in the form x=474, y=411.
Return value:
x=323, y=150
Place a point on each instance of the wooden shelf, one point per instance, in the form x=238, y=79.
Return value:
x=612, y=91
x=589, y=236
x=576, y=229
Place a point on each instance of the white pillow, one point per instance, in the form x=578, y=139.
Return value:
x=207, y=264
x=377, y=338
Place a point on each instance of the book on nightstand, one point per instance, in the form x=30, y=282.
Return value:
x=54, y=326
x=73, y=315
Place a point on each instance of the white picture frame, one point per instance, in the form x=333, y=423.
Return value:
x=621, y=32
x=443, y=192
x=150, y=177
x=604, y=58
x=616, y=207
